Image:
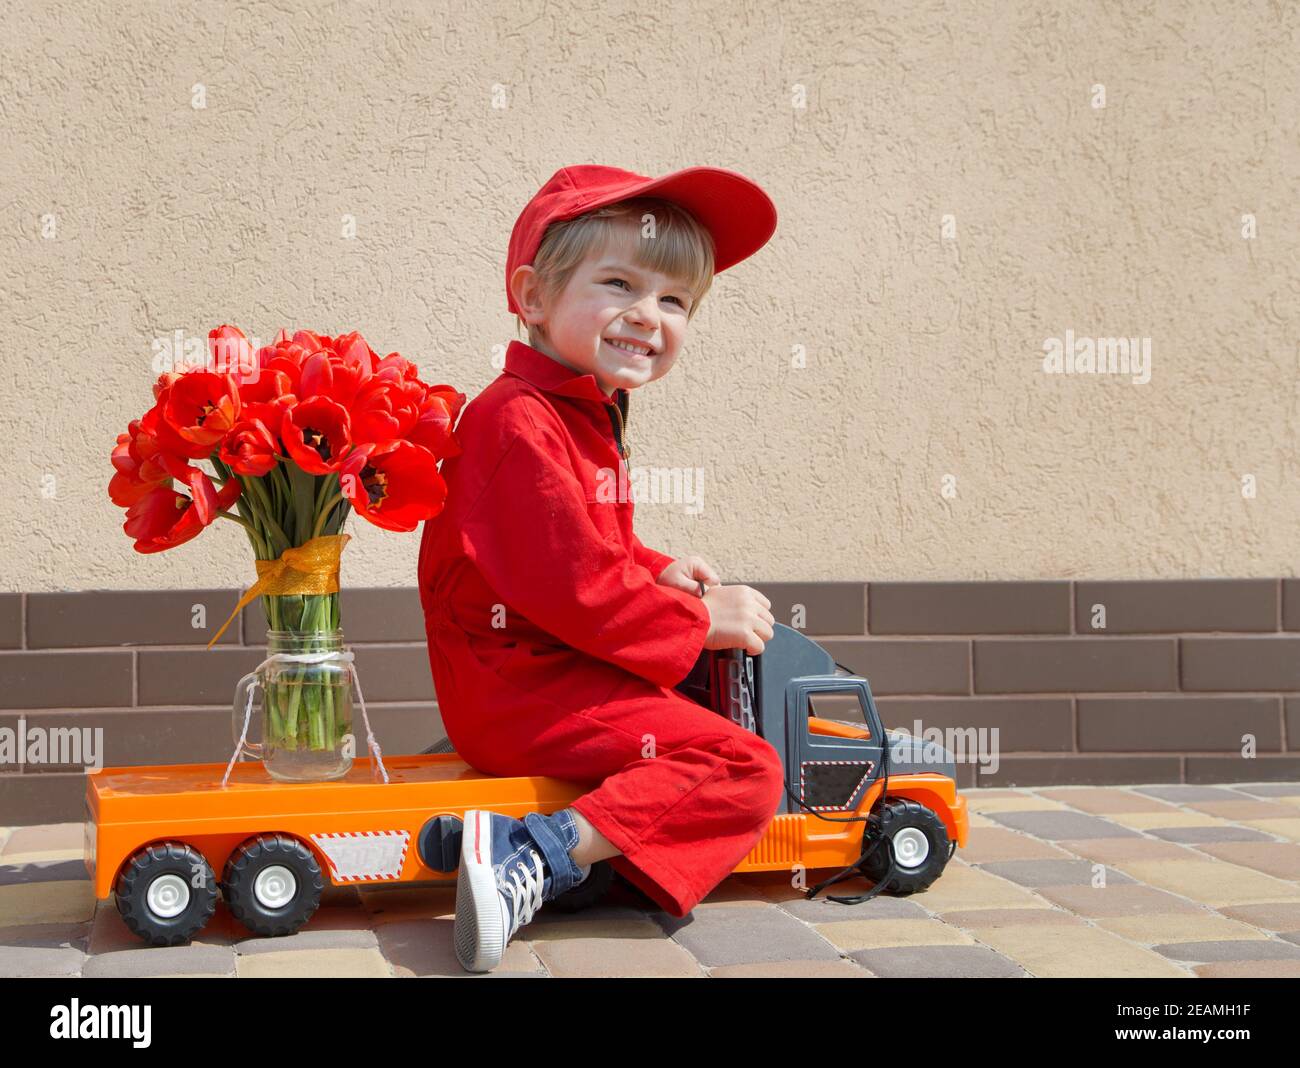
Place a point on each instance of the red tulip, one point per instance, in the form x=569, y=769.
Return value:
x=250, y=448
x=155, y=424
x=328, y=404
x=270, y=412
x=284, y=360
x=232, y=354
x=201, y=407
x=325, y=374
x=438, y=411
x=352, y=349
x=286, y=355
x=393, y=484
x=395, y=368
x=138, y=466
x=163, y=518
x=317, y=434
x=164, y=383
x=384, y=409
x=310, y=341
x=272, y=383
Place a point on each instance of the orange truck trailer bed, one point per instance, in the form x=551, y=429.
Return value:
x=364, y=831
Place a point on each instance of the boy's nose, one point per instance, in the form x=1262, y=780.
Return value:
x=643, y=312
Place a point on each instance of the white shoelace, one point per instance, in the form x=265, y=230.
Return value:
x=525, y=894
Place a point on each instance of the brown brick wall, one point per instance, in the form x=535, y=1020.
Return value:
x=132, y=663
x=1164, y=693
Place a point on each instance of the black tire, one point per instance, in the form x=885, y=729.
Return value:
x=240, y=888
x=899, y=815
x=594, y=887
x=177, y=861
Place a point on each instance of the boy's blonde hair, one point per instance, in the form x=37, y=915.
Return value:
x=680, y=248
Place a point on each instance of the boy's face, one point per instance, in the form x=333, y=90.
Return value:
x=611, y=302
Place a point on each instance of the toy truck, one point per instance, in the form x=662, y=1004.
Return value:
x=156, y=836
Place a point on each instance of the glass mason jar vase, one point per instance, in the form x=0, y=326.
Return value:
x=306, y=707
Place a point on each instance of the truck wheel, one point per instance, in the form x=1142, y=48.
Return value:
x=272, y=884
x=588, y=892
x=438, y=843
x=920, y=843
x=166, y=892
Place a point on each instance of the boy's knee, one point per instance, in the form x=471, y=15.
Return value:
x=765, y=767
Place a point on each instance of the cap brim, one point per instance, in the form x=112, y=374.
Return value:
x=740, y=217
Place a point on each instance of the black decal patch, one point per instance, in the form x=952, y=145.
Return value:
x=831, y=784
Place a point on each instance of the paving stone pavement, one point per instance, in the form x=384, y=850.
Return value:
x=1178, y=881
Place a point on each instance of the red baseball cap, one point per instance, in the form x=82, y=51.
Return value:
x=736, y=212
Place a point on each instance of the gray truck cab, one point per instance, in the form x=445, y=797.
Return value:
x=774, y=694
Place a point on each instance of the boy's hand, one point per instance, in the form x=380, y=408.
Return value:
x=687, y=574
x=739, y=618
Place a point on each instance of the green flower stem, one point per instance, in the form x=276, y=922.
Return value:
x=325, y=689
x=322, y=692
x=282, y=489
x=275, y=719
x=327, y=713
x=238, y=519
x=266, y=512
x=335, y=525
x=259, y=546
x=308, y=707
x=324, y=512
x=302, y=496
x=322, y=488
x=248, y=505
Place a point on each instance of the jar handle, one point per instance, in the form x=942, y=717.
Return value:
x=242, y=714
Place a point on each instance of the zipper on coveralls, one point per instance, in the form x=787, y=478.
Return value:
x=616, y=422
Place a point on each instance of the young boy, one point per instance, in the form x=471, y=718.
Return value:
x=555, y=636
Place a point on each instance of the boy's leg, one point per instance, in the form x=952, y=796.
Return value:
x=683, y=819
x=686, y=794
x=592, y=845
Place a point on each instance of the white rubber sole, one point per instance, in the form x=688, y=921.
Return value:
x=480, y=933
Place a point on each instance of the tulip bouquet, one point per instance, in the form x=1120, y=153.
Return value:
x=299, y=434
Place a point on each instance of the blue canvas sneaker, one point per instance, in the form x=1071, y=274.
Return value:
x=508, y=867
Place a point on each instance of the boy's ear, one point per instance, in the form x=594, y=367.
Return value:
x=527, y=292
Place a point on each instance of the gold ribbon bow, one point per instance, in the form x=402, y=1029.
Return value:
x=310, y=568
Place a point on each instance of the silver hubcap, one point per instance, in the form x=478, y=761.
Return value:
x=168, y=895
x=911, y=847
x=274, y=886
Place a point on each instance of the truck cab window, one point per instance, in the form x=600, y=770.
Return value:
x=838, y=707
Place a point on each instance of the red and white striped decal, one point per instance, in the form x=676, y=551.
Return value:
x=364, y=856
x=833, y=808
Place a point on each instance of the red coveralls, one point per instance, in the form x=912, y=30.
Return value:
x=575, y=680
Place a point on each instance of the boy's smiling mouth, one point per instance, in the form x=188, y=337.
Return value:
x=630, y=346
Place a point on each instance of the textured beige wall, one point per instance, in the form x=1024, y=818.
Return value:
x=923, y=352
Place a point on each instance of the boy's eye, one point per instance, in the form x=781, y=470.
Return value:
x=623, y=282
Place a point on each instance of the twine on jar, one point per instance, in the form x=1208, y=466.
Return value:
x=345, y=655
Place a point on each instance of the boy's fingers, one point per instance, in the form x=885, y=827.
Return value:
x=700, y=569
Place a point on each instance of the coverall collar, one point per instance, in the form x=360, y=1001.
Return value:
x=551, y=376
